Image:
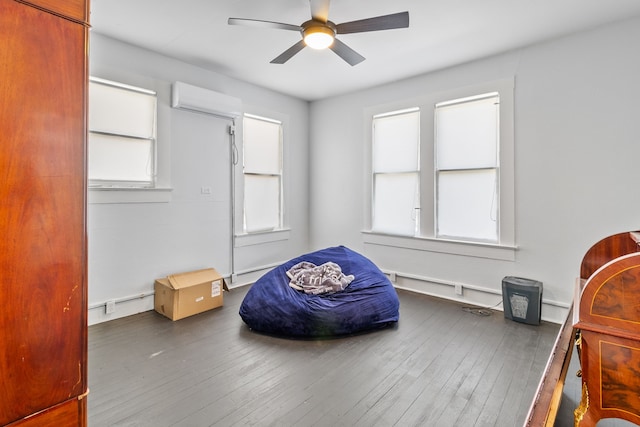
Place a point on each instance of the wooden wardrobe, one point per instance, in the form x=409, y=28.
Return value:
x=43, y=252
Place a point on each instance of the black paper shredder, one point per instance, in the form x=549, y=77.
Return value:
x=522, y=299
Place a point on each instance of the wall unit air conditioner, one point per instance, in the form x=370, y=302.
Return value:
x=193, y=98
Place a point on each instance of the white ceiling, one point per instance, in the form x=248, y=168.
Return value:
x=442, y=33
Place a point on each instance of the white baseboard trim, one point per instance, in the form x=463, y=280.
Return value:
x=123, y=307
x=552, y=311
x=250, y=275
x=130, y=305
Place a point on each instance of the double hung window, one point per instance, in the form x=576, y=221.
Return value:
x=122, y=135
x=442, y=173
x=396, y=172
x=262, y=173
x=467, y=133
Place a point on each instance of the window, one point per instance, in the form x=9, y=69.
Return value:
x=262, y=174
x=467, y=133
x=396, y=172
x=122, y=135
x=442, y=172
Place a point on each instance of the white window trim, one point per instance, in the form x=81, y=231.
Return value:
x=161, y=192
x=250, y=239
x=128, y=195
x=416, y=171
x=240, y=238
x=153, y=138
x=455, y=247
x=506, y=248
x=440, y=171
x=278, y=175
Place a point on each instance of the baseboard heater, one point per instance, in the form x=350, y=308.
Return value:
x=193, y=98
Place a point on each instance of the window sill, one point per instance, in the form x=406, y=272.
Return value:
x=481, y=250
x=128, y=195
x=250, y=239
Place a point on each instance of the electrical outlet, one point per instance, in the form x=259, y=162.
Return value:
x=458, y=288
x=110, y=307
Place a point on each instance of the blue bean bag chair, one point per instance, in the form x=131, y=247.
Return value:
x=368, y=302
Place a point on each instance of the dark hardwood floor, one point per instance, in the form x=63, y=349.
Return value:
x=440, y=366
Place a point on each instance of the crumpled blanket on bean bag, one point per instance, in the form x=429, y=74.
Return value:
x=369, y=302
x=318, y=279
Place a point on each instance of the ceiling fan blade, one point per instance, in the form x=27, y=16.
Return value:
x=320, y=10
x=345, y=52
x=263, y=24
x=287, y=54
x=385, y=22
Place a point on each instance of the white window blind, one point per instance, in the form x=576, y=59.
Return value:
x=396, y=172
x=122, y=134
x=262, y=170
x=467, y=168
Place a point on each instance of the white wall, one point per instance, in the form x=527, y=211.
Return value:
x=577, y=143
x=131, y=244
x=577, y=127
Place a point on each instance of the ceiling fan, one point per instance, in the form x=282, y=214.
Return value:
x=320, y=33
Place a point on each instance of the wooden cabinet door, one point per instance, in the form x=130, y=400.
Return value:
x=73, y=9
x=43, y=332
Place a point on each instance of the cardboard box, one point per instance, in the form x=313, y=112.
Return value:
x=185, y=294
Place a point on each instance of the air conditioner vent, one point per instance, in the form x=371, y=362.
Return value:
x=193, y=98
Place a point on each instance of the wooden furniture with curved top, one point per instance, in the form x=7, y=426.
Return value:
x=608, y=319
x=546, y=401
x=43, y=320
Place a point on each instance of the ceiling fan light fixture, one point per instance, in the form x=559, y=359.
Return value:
x=318, y=37
x=320, y=33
